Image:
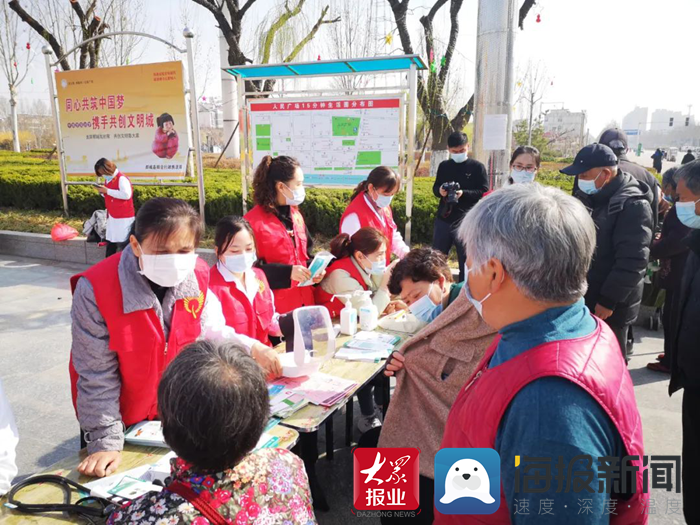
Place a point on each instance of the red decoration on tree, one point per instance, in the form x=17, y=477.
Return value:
x=539, y=19
x=14, y=64
x=29, y=46
x=319, y=57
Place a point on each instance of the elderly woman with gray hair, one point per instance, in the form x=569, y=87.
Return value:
x=214, y=404
x=553, y=384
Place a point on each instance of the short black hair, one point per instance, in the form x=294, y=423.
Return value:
x=213, y=403
x=162, y=216
x=227, y=228
x=99, y=165
x=420, y=264
x=456, y=139
x=165, y=117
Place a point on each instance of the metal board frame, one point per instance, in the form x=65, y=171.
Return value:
x=190, y=93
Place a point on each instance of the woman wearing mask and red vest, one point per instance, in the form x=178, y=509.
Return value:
x=245, y=295
x=360, y=264
x=131, y=315
x=119, y=202
x=283, y=242
x=370, y=206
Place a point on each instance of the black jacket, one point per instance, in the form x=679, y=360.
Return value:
x=473, y=180
x=685, y=368
x=621, y=211
x=688, y=157
x=671, y=250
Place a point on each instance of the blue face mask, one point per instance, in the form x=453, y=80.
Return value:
x=686, y=214
x=588, y=186
x=479, y=305
x=668, y=199
x=108, y=178
x=425, y=309
x=458, y=157
x=383, y=201
x=522, y=176
x=378, y=267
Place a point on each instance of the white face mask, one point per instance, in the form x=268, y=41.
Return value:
x=459, y=157
x=378, y=267
x=167, y=270
x=479, y=305
x=240, y=262
x=297, y=197
x=382, y=201
x=108, y=178
x=522, y=176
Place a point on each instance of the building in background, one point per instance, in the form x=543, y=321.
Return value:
x=636, y=119
x=661, y=120
x=566, y=130
x=210, y=114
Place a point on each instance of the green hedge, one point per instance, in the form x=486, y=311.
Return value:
x=29, y=182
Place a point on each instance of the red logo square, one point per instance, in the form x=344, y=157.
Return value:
x=385, y=478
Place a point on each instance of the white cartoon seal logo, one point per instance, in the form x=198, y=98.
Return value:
x=467, y=478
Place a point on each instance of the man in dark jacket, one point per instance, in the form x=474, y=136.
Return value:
x=658, y=158
x=621, y=210
x=685, y=357
x=671, y=250
x=688, y=157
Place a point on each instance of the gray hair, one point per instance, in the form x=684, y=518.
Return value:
x=670, y=177
x=690, y=174
x=543, y=237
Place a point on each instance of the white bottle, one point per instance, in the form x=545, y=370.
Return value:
x=348, y=317
x=369, y=315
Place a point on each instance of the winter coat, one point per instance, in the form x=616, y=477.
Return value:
x=622, y=214
x=672, y=250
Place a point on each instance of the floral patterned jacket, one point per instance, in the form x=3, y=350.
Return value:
x=268, y=487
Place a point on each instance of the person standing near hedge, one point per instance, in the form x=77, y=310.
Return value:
x=473, y=182
x=370, y=206
x=283, y=241
x=119, y=201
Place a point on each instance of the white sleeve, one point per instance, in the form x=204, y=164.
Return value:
x=398, y=246
x=351, y=224
x=124, y=192
x=8, y=443
x=214, y=324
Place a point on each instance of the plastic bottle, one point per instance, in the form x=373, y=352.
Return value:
x=369, y=315
x=348, y=317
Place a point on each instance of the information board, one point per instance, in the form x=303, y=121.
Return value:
x=337, y=141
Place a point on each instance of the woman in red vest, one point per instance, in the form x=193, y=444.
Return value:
x=283, y=242
x=119, y=201
x=370, y=206
x=360, y=264
x=131, y=315
x=245, y=295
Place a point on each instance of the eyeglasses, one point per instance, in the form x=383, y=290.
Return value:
x=529, y=169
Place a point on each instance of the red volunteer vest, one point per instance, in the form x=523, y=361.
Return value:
x=368, y=218
x=275, y=245
x=118, y=208
x=248, y=319
x=594, y=363
x=138, y=337
x=326, y=299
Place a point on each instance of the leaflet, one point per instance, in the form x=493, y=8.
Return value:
x=320, y=263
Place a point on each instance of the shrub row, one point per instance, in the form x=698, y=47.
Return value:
x=28, y=182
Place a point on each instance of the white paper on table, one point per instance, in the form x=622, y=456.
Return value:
x=495, y=132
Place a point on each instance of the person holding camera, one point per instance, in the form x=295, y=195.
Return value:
x=460, y=184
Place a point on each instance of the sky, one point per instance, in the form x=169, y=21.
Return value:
x=601, y=56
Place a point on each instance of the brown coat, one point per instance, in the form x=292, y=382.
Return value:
x=453, y=343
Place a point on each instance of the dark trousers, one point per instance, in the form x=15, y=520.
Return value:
x=621, y=336
x=668, y=320
x=444, y=237
x=114, y=247
x=364, y=396
x=690, y=460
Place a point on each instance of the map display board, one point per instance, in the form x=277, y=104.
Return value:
x=337, y=141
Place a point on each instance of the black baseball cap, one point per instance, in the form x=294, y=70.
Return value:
x=614, y=138
x=591, y=156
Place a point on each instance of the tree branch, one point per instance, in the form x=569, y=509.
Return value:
x=463, y=115
x=308, y=38
x=524, y=10
x=455, y=7
x=36, y=26
x=246, y=6
x=276, y=26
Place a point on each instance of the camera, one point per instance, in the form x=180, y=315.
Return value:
x=451, y=188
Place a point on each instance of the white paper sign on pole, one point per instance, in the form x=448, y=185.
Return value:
x=495, y=131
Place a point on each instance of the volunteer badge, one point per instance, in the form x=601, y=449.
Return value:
x=467, y=481
x=385, y=478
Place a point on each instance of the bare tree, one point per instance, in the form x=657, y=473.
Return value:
x=431, y=89
x=124, y=49
x=531, y=89
x=201, y=54
x=231, y=25
x=14, y=63
x=65, y=24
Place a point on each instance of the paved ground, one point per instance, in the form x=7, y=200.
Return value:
x=34, y=347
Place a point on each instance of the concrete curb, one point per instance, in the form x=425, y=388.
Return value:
x=41, y=246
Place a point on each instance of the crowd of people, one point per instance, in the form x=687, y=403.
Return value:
x=525, y=351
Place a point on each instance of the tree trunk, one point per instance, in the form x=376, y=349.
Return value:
x=13, y=113
x=529, y=124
